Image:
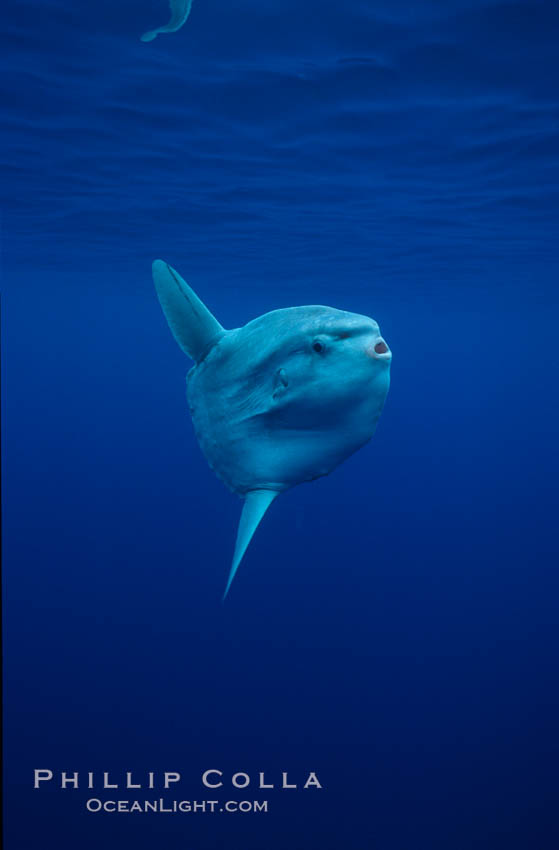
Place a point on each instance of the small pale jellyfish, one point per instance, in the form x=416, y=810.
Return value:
x=180, y=10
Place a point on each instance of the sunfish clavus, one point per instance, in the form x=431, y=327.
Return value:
x=282, y=400
x=180, y=10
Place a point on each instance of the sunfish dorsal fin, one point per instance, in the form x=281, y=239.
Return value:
x=256, y=504
x=193, y=326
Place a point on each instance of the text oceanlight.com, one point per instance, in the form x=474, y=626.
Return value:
x=176, y=806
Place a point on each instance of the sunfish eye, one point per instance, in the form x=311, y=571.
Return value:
x=318, y=346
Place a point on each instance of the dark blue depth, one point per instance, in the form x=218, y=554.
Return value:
x=394, y=626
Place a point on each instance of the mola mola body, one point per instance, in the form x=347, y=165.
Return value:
x=282, y=400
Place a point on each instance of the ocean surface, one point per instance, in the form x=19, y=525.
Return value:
x=394, y=626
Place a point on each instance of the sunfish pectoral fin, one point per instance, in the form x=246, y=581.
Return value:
x=256, y=504
x=193, y=326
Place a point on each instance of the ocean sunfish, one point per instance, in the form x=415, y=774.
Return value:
x=180, y=10
x=282, y=400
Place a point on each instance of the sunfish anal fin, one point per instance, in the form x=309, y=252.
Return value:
x=193, y=326
x=256, y=504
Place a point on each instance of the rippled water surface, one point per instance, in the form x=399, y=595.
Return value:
x=393, y=139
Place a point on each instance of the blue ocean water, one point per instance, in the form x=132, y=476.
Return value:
x=394, y=626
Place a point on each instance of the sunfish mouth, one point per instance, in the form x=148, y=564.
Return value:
x=379, y=350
